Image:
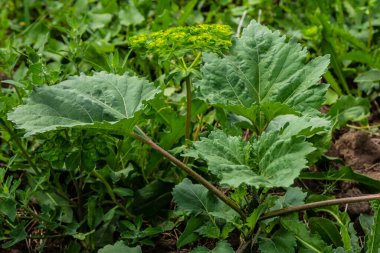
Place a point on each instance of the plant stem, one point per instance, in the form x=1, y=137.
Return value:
x=317, y=204
x=238, y=31
x=251, y=241
x=20, y=146
x=195, y=60
x=188, y=108
x=144, y=138
x=45, y=236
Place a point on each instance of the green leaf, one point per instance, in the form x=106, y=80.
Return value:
x=221, y=247
x=349, y=108
x=130, y=15
x=102, y=101
x=16, y=235
x=366, y=222
x=99, y=21
x=263, y=69
x=274, y=160
x=373, y=243
x=209, y=230
x=8, y=208
x=122, y=192
x=295, y=125
x=293, y=196
x=303, y=234
x=261, y=115
x=347, y=233
x=258, y=211
x=228, y=157
x=281, y=242
x=343, y=174
x=326, y=229
x=119, y=247
x=369, y=81
x=152, y=199
x=372, y=75
x=188, y=235
x=354, y=240
x=196, y=199
x=187, y=11
x=316, y=130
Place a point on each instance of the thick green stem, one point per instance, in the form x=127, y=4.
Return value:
x=144, y=138
x=188, y=108
x=308, y=206
x=188, y=94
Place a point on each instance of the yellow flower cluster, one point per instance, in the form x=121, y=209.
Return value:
x=179, y=41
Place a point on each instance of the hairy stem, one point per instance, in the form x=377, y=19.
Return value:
x=144, y=138
x=308, y=206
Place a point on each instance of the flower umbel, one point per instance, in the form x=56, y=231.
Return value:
x=178, y=41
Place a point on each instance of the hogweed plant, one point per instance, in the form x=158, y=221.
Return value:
x=265, y=82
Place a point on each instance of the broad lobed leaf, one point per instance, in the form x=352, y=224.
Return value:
x=274, y=159
x=263, y=68
x=104, y=101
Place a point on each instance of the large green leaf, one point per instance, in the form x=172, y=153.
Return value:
x=274, y=160
x=104, y=101
x=280, y=159
x=263, y=69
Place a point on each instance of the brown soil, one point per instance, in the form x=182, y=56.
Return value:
x=361, y=151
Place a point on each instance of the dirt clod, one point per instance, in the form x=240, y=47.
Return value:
x=361, y=151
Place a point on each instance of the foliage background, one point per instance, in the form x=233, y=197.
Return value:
x=48, y=186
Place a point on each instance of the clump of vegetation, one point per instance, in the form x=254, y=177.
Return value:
x=137, y=127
